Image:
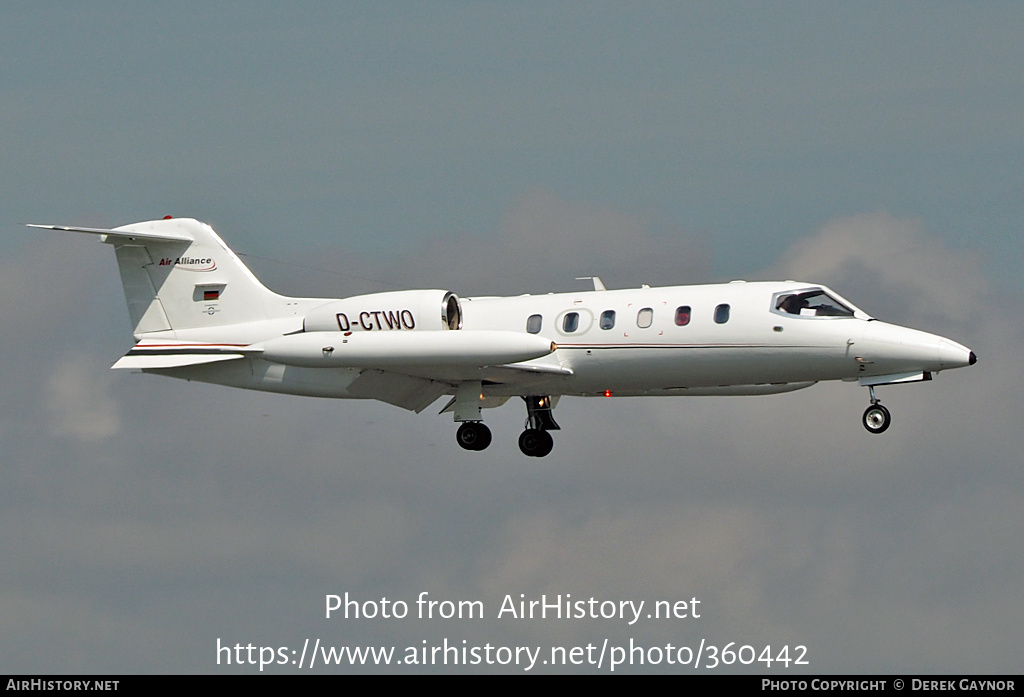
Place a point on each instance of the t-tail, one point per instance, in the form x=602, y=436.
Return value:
x=180, y=277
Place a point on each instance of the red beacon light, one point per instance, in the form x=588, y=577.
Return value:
x=607, y=393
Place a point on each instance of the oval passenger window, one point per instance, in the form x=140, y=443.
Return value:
x=571, y=322
x=721, y=314
x=644, y=318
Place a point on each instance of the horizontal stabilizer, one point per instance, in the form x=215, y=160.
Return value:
x=179, y=361
x=149, y=355
x=122, y=233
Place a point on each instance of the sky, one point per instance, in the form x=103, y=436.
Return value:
x=505, y=148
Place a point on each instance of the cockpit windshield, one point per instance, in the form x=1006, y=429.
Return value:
x=814, y=302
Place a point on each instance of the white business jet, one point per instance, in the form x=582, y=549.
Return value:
x=198, y=313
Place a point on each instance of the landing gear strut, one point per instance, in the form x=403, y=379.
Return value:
x=876, y=418
x=535, y=441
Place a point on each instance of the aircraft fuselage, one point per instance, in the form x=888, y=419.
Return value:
x=679, y=340
x=198, y=313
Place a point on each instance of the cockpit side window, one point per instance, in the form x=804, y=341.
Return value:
x=809, y=303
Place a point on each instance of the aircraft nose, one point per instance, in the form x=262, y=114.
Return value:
x=953, y=355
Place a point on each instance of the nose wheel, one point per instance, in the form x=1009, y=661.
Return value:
x=876, y=418
x=473, y=435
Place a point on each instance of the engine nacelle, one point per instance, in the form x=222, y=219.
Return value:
x=402, y=310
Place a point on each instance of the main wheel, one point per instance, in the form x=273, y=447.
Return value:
x=473, y=435
x=535, y=442
x=877, y=418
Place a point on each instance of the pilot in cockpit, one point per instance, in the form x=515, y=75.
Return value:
x=793, y=304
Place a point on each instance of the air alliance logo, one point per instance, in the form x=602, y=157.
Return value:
x=190, y=263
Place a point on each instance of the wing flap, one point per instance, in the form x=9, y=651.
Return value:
x=405, y=391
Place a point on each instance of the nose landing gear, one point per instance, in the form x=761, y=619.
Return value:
x=876, y=418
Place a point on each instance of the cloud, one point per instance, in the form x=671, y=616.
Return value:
x=893, y=266
x=78, y=399
x=59, y=290
x=783, y=532
x=250, y=506
x=542, y=244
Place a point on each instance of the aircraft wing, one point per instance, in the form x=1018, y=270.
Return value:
x=405, y=391
x=416, y=388
x=405, y=370
x=412, y=369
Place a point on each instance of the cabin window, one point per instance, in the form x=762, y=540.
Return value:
x=571, y=322
x=534, y=323
x=683, y=315
x=607, y=319
x=721, y=314
x=810, y=303
x=644, y=318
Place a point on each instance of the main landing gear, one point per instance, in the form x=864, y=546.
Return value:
x=876, y=417
x=535, y=441
x=473, y=435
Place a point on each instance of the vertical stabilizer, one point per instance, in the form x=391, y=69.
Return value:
x=178, y=274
